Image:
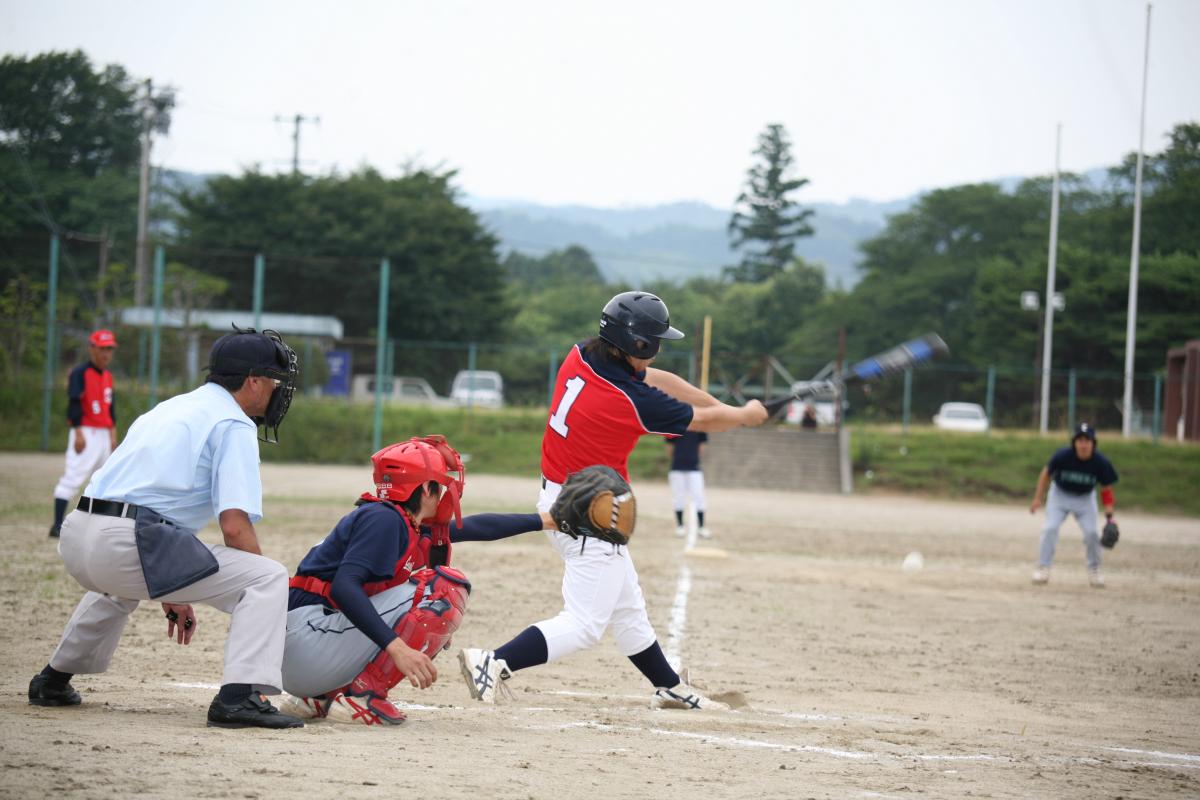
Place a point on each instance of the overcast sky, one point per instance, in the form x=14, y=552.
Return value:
x=632, y=103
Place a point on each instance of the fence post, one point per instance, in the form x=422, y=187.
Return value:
x=471, y=352
x=990, y=402
x=1154, y=431
x=550, y=378
x=260, y=267
x=907, y=399
x=160, y=257
x=1071, y=400
x=380, y=346
x=51, y=340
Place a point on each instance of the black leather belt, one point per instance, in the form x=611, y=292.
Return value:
x=108, y=508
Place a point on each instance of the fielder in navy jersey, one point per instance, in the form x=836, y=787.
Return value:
x=376, y=600
x=606, y=397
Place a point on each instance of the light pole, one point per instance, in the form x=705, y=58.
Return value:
x=1032, y=301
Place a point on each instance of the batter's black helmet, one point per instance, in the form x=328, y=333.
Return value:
x=635, y=323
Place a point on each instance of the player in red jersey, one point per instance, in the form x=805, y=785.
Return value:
x=606, y=397
x=92, y=414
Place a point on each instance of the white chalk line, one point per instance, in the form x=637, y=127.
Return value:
x=760, y=744
x=683, y=587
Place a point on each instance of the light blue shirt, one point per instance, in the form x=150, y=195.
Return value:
x=189, y=458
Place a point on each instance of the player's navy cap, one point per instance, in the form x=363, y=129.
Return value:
x=102, y=338
x=1083, y=429
x=246, y=353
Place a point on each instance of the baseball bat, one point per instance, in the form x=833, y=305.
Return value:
x=889, y=362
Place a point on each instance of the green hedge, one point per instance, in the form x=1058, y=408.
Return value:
x=1003, y=466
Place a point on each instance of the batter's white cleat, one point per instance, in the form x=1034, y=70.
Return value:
x=680, y=531
x=303, y=707
x=704, y=533
x=484, y=673
x=1095, y=579
x=684, y=698
x=1041, y=575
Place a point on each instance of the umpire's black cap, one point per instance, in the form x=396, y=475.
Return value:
x=248, y=352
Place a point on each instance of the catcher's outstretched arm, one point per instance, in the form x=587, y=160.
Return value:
x=493, y=527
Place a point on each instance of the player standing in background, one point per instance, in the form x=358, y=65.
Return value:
x=1075, y=471
x=606, y=397
x=687, y=479
x=92, y=415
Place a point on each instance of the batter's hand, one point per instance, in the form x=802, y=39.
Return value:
x=80, y=442
x=415, y=665
x=755, y=413
x=181, y=621
x=1035, y=505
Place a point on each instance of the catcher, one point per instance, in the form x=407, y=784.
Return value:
x=375, y=601
x=1076, y=471
x=606, y=397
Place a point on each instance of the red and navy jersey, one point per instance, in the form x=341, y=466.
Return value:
x=90, y=397
x=601, y=408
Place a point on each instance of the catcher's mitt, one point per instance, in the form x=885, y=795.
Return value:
x=1110, y=535
x=596, y=501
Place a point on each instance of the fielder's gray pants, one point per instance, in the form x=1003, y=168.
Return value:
x=324, y=652
x=100, y=553
x=1058, y=505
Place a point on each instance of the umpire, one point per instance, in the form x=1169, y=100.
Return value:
x=132, y=537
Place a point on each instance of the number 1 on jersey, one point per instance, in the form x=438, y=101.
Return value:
x=558, y=420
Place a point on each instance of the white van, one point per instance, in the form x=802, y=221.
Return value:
x=477, y=387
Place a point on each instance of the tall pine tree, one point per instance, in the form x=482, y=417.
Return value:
x=765, y=223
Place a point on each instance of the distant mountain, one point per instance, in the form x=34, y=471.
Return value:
x=676, y=241
x=673, y=241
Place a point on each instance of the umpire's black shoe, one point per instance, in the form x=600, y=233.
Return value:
x=253, y=712
x=42, y=693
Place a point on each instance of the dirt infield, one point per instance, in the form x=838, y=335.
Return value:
x=961, y=679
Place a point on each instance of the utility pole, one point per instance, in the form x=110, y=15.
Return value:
x=1052, y=260
x=297, y=121
x=1131, y=320
x=141, y=255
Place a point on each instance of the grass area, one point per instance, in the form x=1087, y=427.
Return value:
x=1158, y=478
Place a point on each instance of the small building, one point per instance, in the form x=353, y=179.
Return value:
x=1182, y=406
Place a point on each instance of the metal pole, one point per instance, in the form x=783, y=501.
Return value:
x=156, y=328
x=907, y=400
x=1071, y=400
x=380, y=347
x=1158, y=379
x=1052, y=261
x=550, y=374
x=140, y=256
x=990, y=402
x=51, y=340
x=1131, y=325
x=260, y=267
x=471, y=352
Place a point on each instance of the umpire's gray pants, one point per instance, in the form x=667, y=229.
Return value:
x=1058, y=505
x=100, y=553
x=324, y=652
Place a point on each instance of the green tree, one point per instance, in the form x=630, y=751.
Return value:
x=766, y=222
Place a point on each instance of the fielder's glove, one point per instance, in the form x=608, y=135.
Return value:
x=596, y=501
x=1111, y=533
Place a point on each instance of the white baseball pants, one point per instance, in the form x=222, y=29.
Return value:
x=101, y=554
x=96, y=450
x=1059, y=505
x=685, y=485
x=600, y=590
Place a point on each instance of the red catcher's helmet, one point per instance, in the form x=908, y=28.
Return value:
x=402, y=468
